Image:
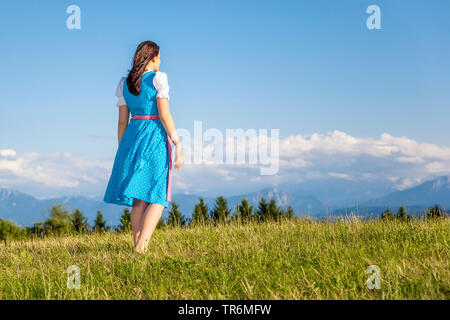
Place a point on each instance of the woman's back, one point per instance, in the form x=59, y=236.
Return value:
x=153, y=85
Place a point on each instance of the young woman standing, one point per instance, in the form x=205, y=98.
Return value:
x=141, y=174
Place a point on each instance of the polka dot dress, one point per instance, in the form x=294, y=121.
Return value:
x=141, y=165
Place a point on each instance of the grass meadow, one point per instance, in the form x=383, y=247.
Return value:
x=292, y=259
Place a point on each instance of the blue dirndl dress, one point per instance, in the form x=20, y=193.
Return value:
x=142, y=165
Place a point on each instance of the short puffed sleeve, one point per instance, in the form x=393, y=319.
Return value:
x=161, y=84
x=119, y=93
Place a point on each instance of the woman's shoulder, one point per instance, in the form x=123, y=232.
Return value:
x=160, y=76
x=119, y=92
x=161, y=84
x=160, y=80
x=121, y=82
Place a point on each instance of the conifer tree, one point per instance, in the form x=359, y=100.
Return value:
x=263, y=210
x=79, y=222
x=200, y=213
x=387, y=214
x=125, y=220
x=434, y=212
x=99, y=224
x=402, y=214
x=273, y=211
x=289, y=212
x=244, y=211
x=175, y=217
x=221, y=212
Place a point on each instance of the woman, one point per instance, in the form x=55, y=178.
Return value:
x=141, y=174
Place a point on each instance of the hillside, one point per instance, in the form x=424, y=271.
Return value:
x=26, y=209
x=436, y=191
x=297, y=259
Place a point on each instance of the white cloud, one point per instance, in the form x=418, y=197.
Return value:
x=437, y=167
x=337, y=142
x=410, y=159
x=59, y=170
x=400, y=160
x=339, y=175
x=7, y=153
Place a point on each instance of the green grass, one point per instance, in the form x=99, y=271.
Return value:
x=297, y=259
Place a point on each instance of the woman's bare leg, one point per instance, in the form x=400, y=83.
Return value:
x=149, y=222
x=137, y=215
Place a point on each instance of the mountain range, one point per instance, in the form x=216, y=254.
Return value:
x=341, y=196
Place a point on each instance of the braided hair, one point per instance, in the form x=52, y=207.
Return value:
x=145, y=52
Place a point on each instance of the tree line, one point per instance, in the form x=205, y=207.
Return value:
x=402, y=214
x=61, y=222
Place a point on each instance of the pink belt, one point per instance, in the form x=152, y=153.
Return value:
x=169, y=148
x=145, y=117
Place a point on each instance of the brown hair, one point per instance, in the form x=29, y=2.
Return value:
x=145, y=52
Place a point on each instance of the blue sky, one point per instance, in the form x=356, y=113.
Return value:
x=305, y=67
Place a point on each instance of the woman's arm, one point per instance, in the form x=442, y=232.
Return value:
x=169, y=125
x=124, y=115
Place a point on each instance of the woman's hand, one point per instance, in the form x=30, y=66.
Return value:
x=178, y=156
x=169, y=126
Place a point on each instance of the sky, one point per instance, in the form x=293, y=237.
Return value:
x=348, y=101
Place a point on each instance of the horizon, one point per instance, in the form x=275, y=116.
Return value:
x=426, y=179
x=243, y=196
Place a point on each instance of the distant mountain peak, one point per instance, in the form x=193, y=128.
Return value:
x=441, y=183
x=67, y=199
x=6, y=193
x=429, y=192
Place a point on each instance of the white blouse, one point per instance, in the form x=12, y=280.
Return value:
x=159, y=81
